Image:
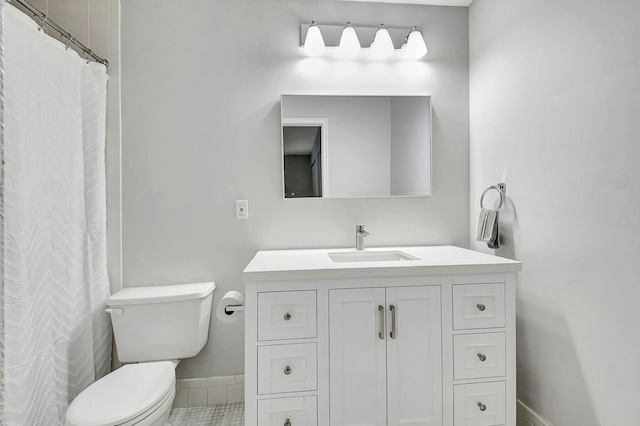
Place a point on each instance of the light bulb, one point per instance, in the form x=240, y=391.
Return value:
x=349, y=44
x=382, y=45
x=415, y=45
x=313, y=42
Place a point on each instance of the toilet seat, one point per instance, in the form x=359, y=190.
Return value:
x=126, y=396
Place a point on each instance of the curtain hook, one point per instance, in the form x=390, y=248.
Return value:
x=67, y=45
x=41, y=24
x=89, y=53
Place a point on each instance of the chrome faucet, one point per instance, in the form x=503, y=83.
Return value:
x=360, y=234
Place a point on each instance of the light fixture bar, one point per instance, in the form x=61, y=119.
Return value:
x=331, y=34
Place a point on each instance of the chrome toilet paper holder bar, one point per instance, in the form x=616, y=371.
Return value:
x=230, y=309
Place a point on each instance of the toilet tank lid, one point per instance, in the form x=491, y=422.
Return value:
x=161, y=294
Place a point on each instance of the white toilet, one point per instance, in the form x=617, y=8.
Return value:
x=154, y=328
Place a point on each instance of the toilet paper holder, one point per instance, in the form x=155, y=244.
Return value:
x=231, y=302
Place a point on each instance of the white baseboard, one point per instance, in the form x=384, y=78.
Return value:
x=528, y=417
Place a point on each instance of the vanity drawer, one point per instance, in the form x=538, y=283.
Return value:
x=286, y=315
x=478, y=355
x=287, y=368
x=478, y=306
x=300, y=411
x=479, y=404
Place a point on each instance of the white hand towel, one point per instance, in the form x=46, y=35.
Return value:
x=488, y=228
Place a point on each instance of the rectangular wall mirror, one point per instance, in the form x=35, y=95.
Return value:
x=356, y=146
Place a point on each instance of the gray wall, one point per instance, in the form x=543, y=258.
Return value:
x=555, y=101
x=201, y=82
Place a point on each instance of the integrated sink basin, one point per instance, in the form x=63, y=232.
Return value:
x=370, y=256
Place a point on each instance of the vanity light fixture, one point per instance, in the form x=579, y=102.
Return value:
x=382, y=46
x=314, y=43
x=342, y=41
x=414, y=46
x=349, y=44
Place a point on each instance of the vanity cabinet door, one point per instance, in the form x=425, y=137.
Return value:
x=385, y=356
x=357, y=357
x=414, y=378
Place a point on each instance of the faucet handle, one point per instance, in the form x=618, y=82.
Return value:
x=360, y=230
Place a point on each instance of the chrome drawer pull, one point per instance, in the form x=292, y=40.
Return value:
x=287, y=316
x=482, y=406
x=287, y=370
x=393, y=333
x=287, y=422
x=481, y=307
x=381, y=311
x=482, y=357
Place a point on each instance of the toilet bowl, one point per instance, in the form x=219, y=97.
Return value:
x=135, y=394
x=154, y=327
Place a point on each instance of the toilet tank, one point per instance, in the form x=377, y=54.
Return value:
x=161, y=322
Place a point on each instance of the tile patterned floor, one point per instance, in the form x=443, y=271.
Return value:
x=214, y=415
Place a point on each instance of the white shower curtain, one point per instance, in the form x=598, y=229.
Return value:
x=56, y=336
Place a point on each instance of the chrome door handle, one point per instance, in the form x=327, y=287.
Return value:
x=393, y=333
x=381, y=311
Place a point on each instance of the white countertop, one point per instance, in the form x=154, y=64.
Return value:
x=271, y=265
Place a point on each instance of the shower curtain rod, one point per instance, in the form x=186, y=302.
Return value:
x=46, y=21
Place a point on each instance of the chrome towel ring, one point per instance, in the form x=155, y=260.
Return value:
x=499, y=191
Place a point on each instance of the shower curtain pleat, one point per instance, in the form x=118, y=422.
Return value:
x=57, y=336
x=2, y=396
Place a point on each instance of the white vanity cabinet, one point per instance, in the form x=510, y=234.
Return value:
x=427, y=343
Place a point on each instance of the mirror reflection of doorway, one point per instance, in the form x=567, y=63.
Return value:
x=302, y=161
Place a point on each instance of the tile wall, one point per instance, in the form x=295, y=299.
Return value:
x=96, y=24
x=209, y=391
